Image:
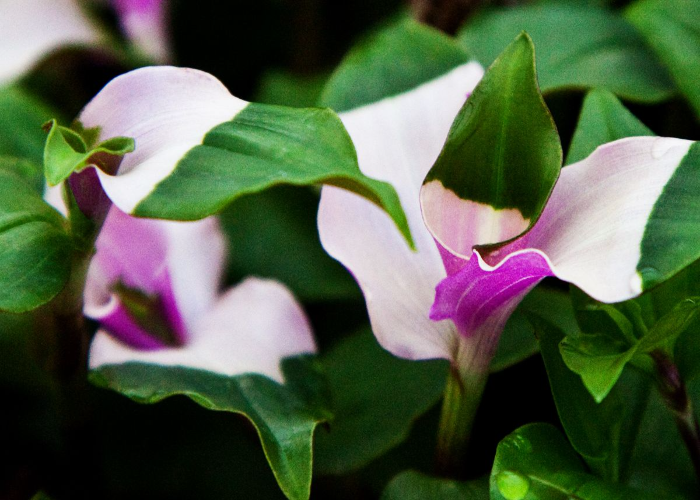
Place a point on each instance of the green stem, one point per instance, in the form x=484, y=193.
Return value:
x=675, y=395
x=461, y=400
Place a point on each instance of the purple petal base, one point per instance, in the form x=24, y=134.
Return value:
x=478, y=297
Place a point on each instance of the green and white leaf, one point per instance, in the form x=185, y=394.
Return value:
x=285, y=417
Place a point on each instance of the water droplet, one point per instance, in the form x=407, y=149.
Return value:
x=650, y=276
x=512, y=485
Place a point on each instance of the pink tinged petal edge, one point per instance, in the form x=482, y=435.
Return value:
x=30, y=29
x=167, y=111
x=250, y=329
x=397, y=140
x=145, y=23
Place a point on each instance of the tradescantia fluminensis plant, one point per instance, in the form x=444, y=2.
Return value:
x=445, y=194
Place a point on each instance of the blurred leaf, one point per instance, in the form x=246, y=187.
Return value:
x=660, y=461
x=390, y=61
x=20, y=124
x=518, y=340
x=412, y=485
x=281, y=222
x=35, y=250
x=285, y=416
x=377, y=397
x=289, y=89
x=603, y=119
x=672, y=29
x=577, y=47
x=604, y=434
x=536, y=463
x=29, y=170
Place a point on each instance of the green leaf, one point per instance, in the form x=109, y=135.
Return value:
x=264, y=146
x=282, y=220
x=536, y=463
x=290, y=89
x=284, y=416
x=35, y=250
x=412, y=485
x=603, y=433
x=21, y=119
x=667, y=329
x=66, y=152
x=578, y=47
x=518, y=340
x=391, y=61
x=509, y=137
x=30, y=171
x=672, y=29
x=660, y=461
x=377, y=397
x=603, y=119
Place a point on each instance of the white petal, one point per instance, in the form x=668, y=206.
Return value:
x=250, y=330
x=167, y=111
x=397, y=140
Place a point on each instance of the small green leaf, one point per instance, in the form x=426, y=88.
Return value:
x=672, y=29
x=670, y=326
x=285, y=416
x=536, y=463
x=508, y=136
x=376, y=398
x=393, y=60
x=66, y=152
x=35, y=250
x=265, y=146
x=603, y=119
x=412, y=485
x=578, y=47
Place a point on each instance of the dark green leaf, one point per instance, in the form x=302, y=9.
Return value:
x=35, y=250
x=20, y=124
x=577, y=47
x=604, y=434
x=536, y=463
x=285, y=416
x=376, y=397
x=32, y=172
x=507, y=133
x=391, y=61
x=290, y=89
x=672, y=29
x=603, y=119
x=412, y=485
x=265, y=146
x=282, y=221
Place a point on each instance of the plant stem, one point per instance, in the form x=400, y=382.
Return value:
x=461, y=400
x=675, y=395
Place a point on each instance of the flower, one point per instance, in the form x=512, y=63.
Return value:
x=145, y=23
x=154, y=287
x=600, y=230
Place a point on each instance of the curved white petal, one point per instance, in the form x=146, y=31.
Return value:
x=29, y=29
x=397, y=140
x=144, y=22
x=167, y=111
x=593, y=224
x=250, y=329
